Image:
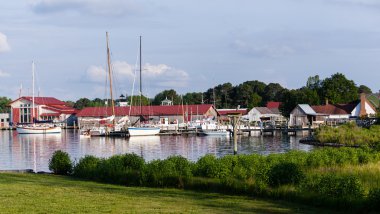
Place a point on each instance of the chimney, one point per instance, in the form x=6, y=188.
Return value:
x=363, y=112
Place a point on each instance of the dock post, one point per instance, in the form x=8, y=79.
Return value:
x=235, y=134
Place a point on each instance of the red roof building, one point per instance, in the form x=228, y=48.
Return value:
x=45, y=108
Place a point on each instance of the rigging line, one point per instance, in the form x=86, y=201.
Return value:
x=134, y=81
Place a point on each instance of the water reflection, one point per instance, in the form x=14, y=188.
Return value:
x=34, y=151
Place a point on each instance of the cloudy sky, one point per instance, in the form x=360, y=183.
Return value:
x=188, y=46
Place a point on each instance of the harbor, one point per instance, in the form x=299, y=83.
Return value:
x=19, y=152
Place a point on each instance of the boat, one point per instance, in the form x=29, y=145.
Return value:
x=105, y=126
x=146, y=129
x=40, y=128
x=216, y=132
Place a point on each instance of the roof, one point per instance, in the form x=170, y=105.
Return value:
x=272, y=104
x=42, y=100
x=307, y=109
x=374, y=99
x=264, y=110
x=146, y=110
x=224, y=112
x=334, y=109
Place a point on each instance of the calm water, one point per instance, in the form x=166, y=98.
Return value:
x=34, y=151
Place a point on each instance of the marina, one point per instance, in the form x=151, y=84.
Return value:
x=33, y=151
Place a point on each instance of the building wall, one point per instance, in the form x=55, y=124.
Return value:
x=4, y=120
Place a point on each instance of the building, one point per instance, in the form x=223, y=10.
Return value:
x=223, y=113
x=303, y=114
x=4, y=120
x=167, y=114
x=270, y=113
x=46, y=108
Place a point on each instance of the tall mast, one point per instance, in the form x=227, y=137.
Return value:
x=140, y=81
x=110, y=76
x=33, y=91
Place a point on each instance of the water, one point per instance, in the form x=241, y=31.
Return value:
x=33, y=151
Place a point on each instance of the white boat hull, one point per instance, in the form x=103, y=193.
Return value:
x=143, y=131
x=38, y=130
x=216, y=133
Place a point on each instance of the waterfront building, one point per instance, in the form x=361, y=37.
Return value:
x=45, y=108
x=270, y=113
x=167, y=114
x=303, y=114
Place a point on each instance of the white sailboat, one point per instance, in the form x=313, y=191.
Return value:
x=146, y=130
x=34, y=128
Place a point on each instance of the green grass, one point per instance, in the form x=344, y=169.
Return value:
x=33, y=193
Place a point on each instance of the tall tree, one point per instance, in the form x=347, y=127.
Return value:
x=169, y=94
x=338, y=89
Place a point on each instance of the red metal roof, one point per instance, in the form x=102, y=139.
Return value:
x=272, y=104
x=223, y=112
x=146, y=110
x=331, y=109
x=42, y=100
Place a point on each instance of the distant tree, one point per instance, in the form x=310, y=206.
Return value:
x=135, y=100
x=69, y=103
x=272, y=92
x=243, y=93
x=222, y=94
x=255, y=100
x=4, y=102
x=169, y=94
x=97, y=102
x=338, y=89
x=82, y=103
x=193, y=98
x=314, y=83
x=364, y=89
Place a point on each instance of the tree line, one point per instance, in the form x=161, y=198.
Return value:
x=336, y=89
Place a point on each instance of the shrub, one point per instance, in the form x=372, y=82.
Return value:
x=335, y=186
x=112, y=170
x=207, y=166
x=284, y=173
x=60, y=163
x=374, y=199
x=87, y=167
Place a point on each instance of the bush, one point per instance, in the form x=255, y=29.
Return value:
x=284, y=173
x=207, y=166
x=87, y=167
x=335, y=186
x=374, y=199
x=60, y=163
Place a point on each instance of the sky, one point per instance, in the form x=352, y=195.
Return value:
x=188, y=46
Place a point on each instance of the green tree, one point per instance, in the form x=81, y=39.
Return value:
x=364, y=89
x=314, y=83
x=4, y=102
x=135, y=100
x=82, y=103
x=193, y=98
x=255, y=100
x=338, y=89
x=169, y=94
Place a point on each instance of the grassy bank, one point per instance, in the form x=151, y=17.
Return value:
x=349, y=135
x=33, y=193
x=337, y=178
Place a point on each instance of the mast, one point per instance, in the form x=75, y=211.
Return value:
x=110, y=77
x=33, y=92
x=140, y=83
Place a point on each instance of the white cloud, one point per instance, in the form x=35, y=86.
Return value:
x=4, y=45
x=160, y=75
x=3, y=74
x=272, y=51
x=94, y=7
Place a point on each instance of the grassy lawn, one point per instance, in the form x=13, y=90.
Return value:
x=31, y=193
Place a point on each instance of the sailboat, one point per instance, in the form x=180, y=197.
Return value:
x=109, y=125
x=33, y=128
x=147, y=129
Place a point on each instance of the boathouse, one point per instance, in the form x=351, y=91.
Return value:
x=167, y=114
x=270, y=113
x=45, y=108
x=303, y=114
